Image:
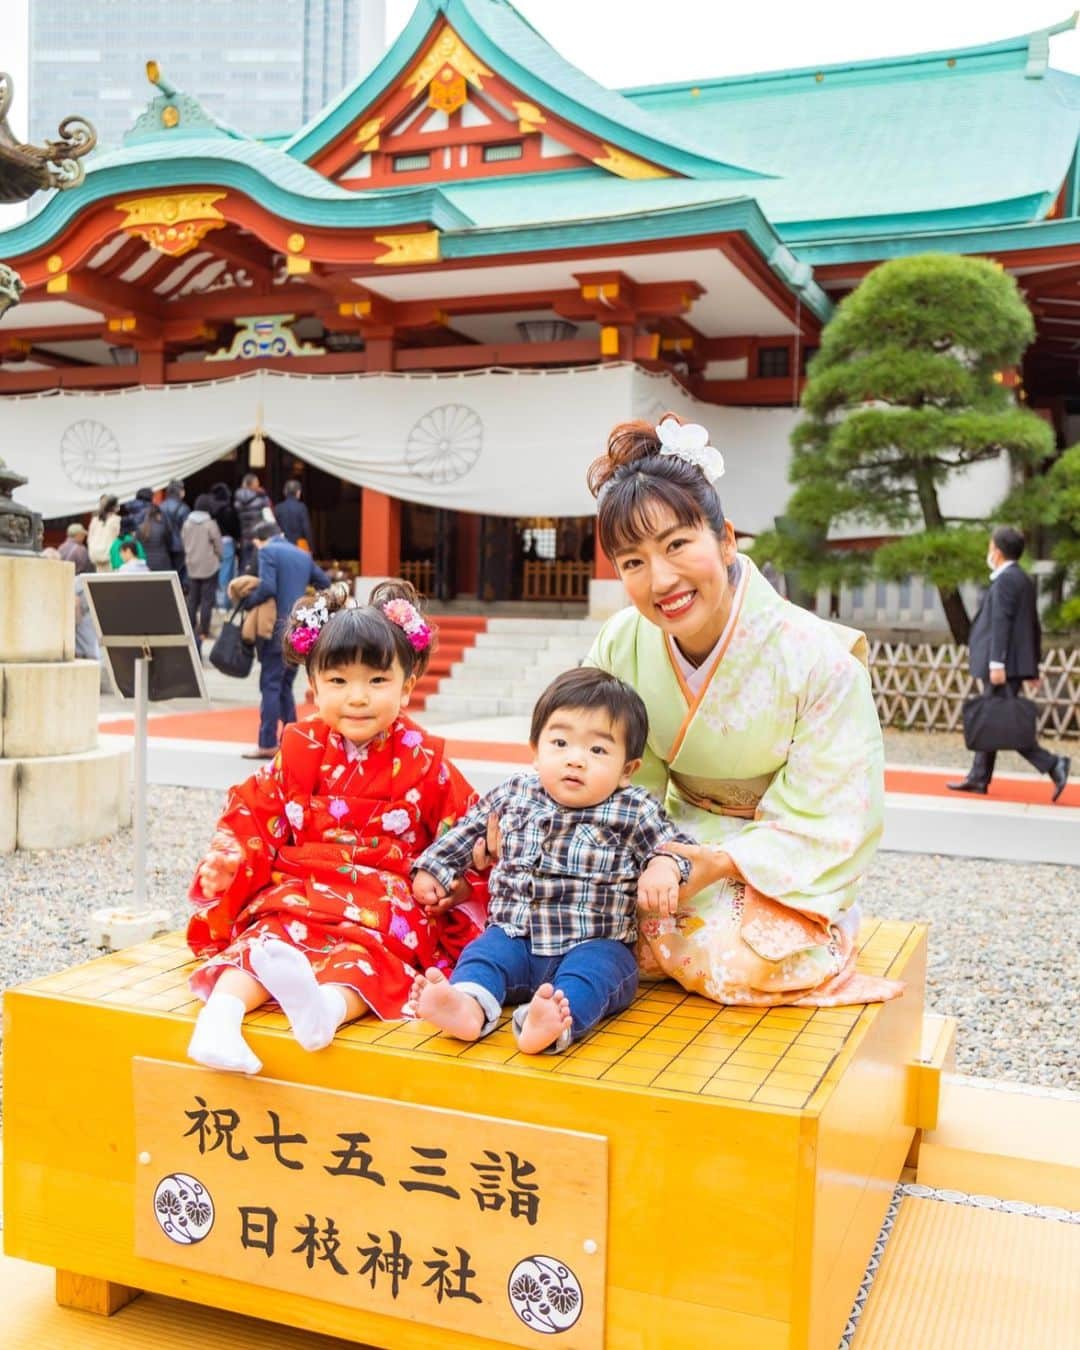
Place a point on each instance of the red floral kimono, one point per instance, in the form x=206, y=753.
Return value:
x=328, y=833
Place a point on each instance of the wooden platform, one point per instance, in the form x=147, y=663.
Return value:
x=751, y=1154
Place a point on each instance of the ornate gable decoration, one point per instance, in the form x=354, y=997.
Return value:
x=450, y=117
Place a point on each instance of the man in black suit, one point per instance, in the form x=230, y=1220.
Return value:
x=1005, y=647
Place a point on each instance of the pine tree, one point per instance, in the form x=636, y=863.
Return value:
x=905, y=392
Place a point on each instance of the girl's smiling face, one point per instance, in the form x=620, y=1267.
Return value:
x=677, y=578
x=361, y=701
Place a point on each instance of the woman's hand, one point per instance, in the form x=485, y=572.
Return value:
x=708, y=865
x=218, y=869
x=658, y=887
x=486, y=851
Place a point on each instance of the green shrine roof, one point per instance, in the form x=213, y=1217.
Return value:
x=506, y=42
x=986, y=134
x=863, y=159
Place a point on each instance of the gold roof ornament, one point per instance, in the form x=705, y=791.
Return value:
x=173, y=223
x=447, y=50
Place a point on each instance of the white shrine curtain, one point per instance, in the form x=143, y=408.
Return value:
x=502, y=442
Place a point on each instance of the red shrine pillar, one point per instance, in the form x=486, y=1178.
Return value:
x=606, y=592
x=380, y=539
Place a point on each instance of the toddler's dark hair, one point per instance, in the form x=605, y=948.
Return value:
x=586, y=688
x=360, y=633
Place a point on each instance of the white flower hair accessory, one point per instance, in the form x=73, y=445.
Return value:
x=690, y=442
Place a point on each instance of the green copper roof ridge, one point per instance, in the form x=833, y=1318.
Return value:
x=1021, y=43
x=654, y=144
x=978, y=239
x=900, y=225
x=381, y=211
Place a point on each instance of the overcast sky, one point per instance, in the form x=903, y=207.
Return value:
x=631, y=42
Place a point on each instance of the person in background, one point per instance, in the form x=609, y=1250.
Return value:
x=133, y=513
x=228, y=522
x=104, y=531
x=175, y=511
x=87, y=647
x=251, y=504
x=1005, y=647
x=285, y=573
x=116, y=558
x=156, y=536
x=292, y=515
x=202, y=554
x=131, y=559
x=73, y=549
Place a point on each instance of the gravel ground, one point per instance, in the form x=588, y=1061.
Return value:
x=1003, y=948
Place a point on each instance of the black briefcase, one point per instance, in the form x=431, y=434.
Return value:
x=1000, y=720
x=230, y=653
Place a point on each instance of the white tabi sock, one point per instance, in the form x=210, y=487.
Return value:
x=315, y=1011
x=217, y=1041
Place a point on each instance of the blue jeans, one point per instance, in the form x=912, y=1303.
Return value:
x=226, y=569
x=599, y=977
x=276, y=702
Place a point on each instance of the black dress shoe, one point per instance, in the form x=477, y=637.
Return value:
x=1059, y=776
x=968, y=786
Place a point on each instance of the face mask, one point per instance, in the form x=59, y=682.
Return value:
x=991, y=565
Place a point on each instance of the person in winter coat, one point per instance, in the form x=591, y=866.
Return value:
x=133, y=513
x=155, y=535
x=292, y=515
x=202, y=555
x=228, y=522
x=175, y=511
x=251, y=504
x=104, y=531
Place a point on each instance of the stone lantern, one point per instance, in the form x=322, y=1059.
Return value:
x=58, y=785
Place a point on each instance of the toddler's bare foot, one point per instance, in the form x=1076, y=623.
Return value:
x=548, y=1017
x=437, y=1001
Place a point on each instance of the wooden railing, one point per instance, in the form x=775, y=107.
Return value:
x=556, y=581
x=421, y=574
x=921, y=686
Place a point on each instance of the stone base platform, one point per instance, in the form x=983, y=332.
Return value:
x=751, y=1154
x=58, y=801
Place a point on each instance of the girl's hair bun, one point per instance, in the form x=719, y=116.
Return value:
x=628, y=442
x=397, y=588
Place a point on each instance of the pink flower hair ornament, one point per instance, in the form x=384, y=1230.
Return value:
x=407, y=617
x=310, y=621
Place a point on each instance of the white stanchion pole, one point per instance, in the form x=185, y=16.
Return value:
x=142, y=704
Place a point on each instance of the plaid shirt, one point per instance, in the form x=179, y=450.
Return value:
x=565, y=875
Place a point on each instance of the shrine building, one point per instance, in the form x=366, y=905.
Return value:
x=431, y=303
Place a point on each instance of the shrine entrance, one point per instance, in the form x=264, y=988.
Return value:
x=450, y=554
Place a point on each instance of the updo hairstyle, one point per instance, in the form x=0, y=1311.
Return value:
x=632, y=480
x=358, y=633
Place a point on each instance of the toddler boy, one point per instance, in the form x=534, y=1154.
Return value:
x=580, y=849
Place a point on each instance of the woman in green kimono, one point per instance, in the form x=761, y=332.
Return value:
x=764, y=742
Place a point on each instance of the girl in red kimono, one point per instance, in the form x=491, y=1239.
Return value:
x=304, y=895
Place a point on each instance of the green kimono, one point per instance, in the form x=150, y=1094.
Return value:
x=778, y=761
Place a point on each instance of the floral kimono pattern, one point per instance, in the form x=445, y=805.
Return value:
x=778, y=761
x=328, y=833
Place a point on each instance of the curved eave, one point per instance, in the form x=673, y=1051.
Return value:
x=335, y=119
x=739, y=215
x=1038, y=234
x=403, y=207
x=986, y=215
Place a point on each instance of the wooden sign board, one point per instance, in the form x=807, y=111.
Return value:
x=485, y=1226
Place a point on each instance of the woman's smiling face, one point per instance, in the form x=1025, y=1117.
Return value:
x=677, y=578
